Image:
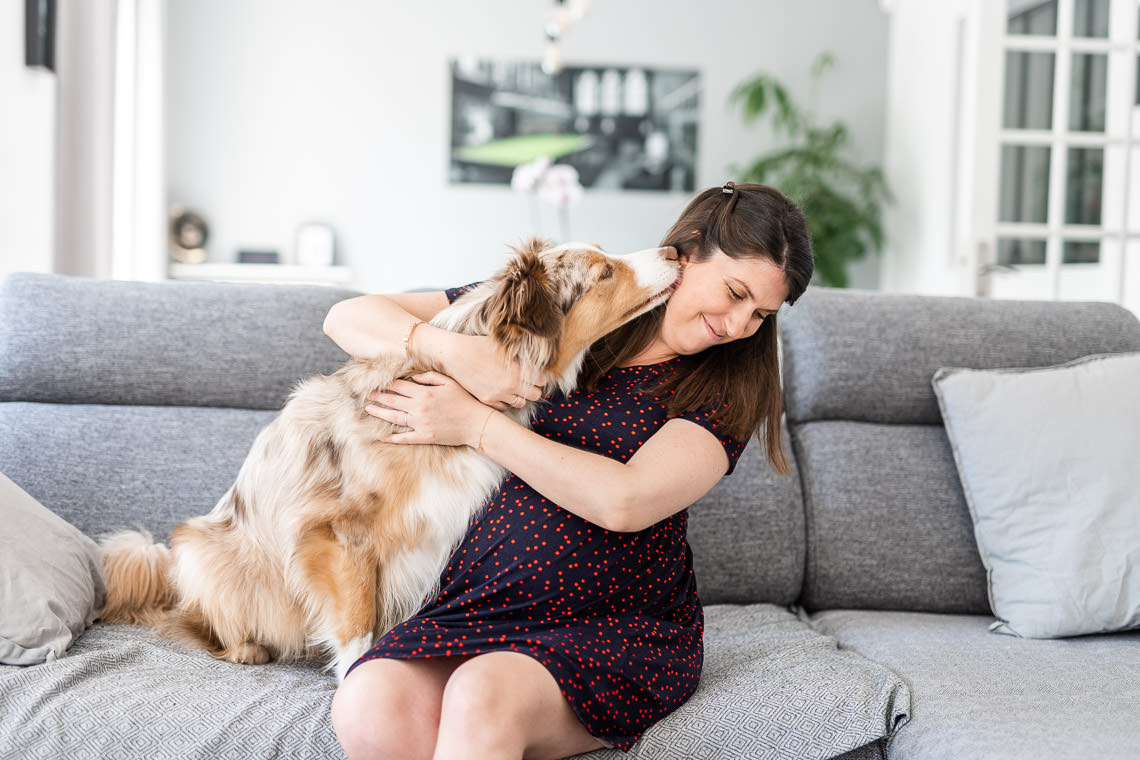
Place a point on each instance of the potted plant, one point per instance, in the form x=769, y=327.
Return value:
x=842, y=199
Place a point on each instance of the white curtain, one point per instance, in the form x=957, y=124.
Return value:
x=138, y=221
x=110, y=198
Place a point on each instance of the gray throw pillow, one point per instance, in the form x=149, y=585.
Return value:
x=51, y=581
x=1048, y=459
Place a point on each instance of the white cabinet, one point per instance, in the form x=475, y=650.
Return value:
x=1014, y=146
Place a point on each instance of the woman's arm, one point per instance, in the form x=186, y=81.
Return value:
x=368, y=326
x=373, y=325
x=679, y=463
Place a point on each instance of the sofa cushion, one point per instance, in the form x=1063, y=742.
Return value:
x=771, y=688
x=51, y=582
x=851, y=355
x=1048, y=458
x=105, y=468
x=747, y=534
x=985, y=697
x=887, y=522
x=76, y=340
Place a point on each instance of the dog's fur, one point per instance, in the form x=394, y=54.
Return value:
x=330, y=537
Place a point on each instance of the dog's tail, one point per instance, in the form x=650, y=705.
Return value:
x=137, y=574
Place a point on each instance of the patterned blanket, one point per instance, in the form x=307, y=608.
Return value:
x=771, y=688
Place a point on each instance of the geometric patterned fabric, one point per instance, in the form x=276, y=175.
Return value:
x=771, y=688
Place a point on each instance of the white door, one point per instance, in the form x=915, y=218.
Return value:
x=1067, y=222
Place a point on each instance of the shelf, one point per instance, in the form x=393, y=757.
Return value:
x=265, y=273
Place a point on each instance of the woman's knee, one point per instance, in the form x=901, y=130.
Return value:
x=507, y=702
x=388, y=709
x=479, y=711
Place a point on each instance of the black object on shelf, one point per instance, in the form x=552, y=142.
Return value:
x=258, y=257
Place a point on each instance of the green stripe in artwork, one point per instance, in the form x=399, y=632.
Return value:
x=516, y=151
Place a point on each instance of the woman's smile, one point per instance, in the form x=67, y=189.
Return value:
x=720, y=299
x=712, y=331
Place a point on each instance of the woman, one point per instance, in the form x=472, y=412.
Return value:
x=568, y=620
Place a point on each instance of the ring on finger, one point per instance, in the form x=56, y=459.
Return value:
x=406, y=420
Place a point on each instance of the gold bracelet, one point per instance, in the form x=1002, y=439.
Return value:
x=484, y=429
x=408, y=337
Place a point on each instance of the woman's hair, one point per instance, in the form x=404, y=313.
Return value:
x=738, y=382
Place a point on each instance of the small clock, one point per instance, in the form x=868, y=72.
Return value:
x=188, y=235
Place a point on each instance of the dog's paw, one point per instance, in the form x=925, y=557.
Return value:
x=247, y=653
x=349, y=652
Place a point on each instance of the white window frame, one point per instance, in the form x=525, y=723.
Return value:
x=1118, y=234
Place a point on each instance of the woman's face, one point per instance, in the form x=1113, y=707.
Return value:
x=721, y=300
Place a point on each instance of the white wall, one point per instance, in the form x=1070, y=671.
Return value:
x=27, y=151
x=939, y=159
x=286, y=111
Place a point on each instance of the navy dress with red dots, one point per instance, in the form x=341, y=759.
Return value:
x=614, y=617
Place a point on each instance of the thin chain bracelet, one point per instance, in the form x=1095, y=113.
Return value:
x=486, y=419
x=408, y=337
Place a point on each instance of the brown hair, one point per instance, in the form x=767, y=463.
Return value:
x=738, y=381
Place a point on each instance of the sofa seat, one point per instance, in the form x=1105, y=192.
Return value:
x=772, y=687
x=132, y=695
x=982, y=695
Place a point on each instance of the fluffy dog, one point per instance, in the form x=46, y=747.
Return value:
x=329, y=537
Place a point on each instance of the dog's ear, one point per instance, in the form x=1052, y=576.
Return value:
x=523, y=304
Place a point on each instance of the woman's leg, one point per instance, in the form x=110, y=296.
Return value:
x=390, y=709
x=507, y=705
x=496, y=705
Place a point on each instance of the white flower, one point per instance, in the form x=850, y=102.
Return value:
x=560, y=187
x=526, y=177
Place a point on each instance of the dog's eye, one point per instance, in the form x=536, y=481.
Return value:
x=607, y=272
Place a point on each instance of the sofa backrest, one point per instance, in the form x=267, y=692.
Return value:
x=126, y=405
x=132, y=405
x=747, y=534
x=79, y=341
x=886, y=518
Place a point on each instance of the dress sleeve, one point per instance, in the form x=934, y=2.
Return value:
x=732, y=447
x=453, y=293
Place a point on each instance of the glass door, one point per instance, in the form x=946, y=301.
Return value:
x=1068, y=203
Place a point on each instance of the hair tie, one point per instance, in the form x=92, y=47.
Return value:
x=728, y=188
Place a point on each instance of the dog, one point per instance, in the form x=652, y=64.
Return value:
x=330, y=537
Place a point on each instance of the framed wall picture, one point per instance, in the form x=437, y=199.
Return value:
x=621, y=127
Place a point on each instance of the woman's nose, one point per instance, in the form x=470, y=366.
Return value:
x=737, y=322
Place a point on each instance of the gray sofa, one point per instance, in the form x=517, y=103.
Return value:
x=846, y=603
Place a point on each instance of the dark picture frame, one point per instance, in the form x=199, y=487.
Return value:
x=39, y=34
x=622, y=127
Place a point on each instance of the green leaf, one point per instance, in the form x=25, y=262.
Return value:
x=841, y=196
x=821, y=64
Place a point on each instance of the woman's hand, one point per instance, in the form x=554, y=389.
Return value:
x=475, y=363
x=376, y=325
x=437, y=408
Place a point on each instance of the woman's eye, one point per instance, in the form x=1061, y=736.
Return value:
x=735, y=296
